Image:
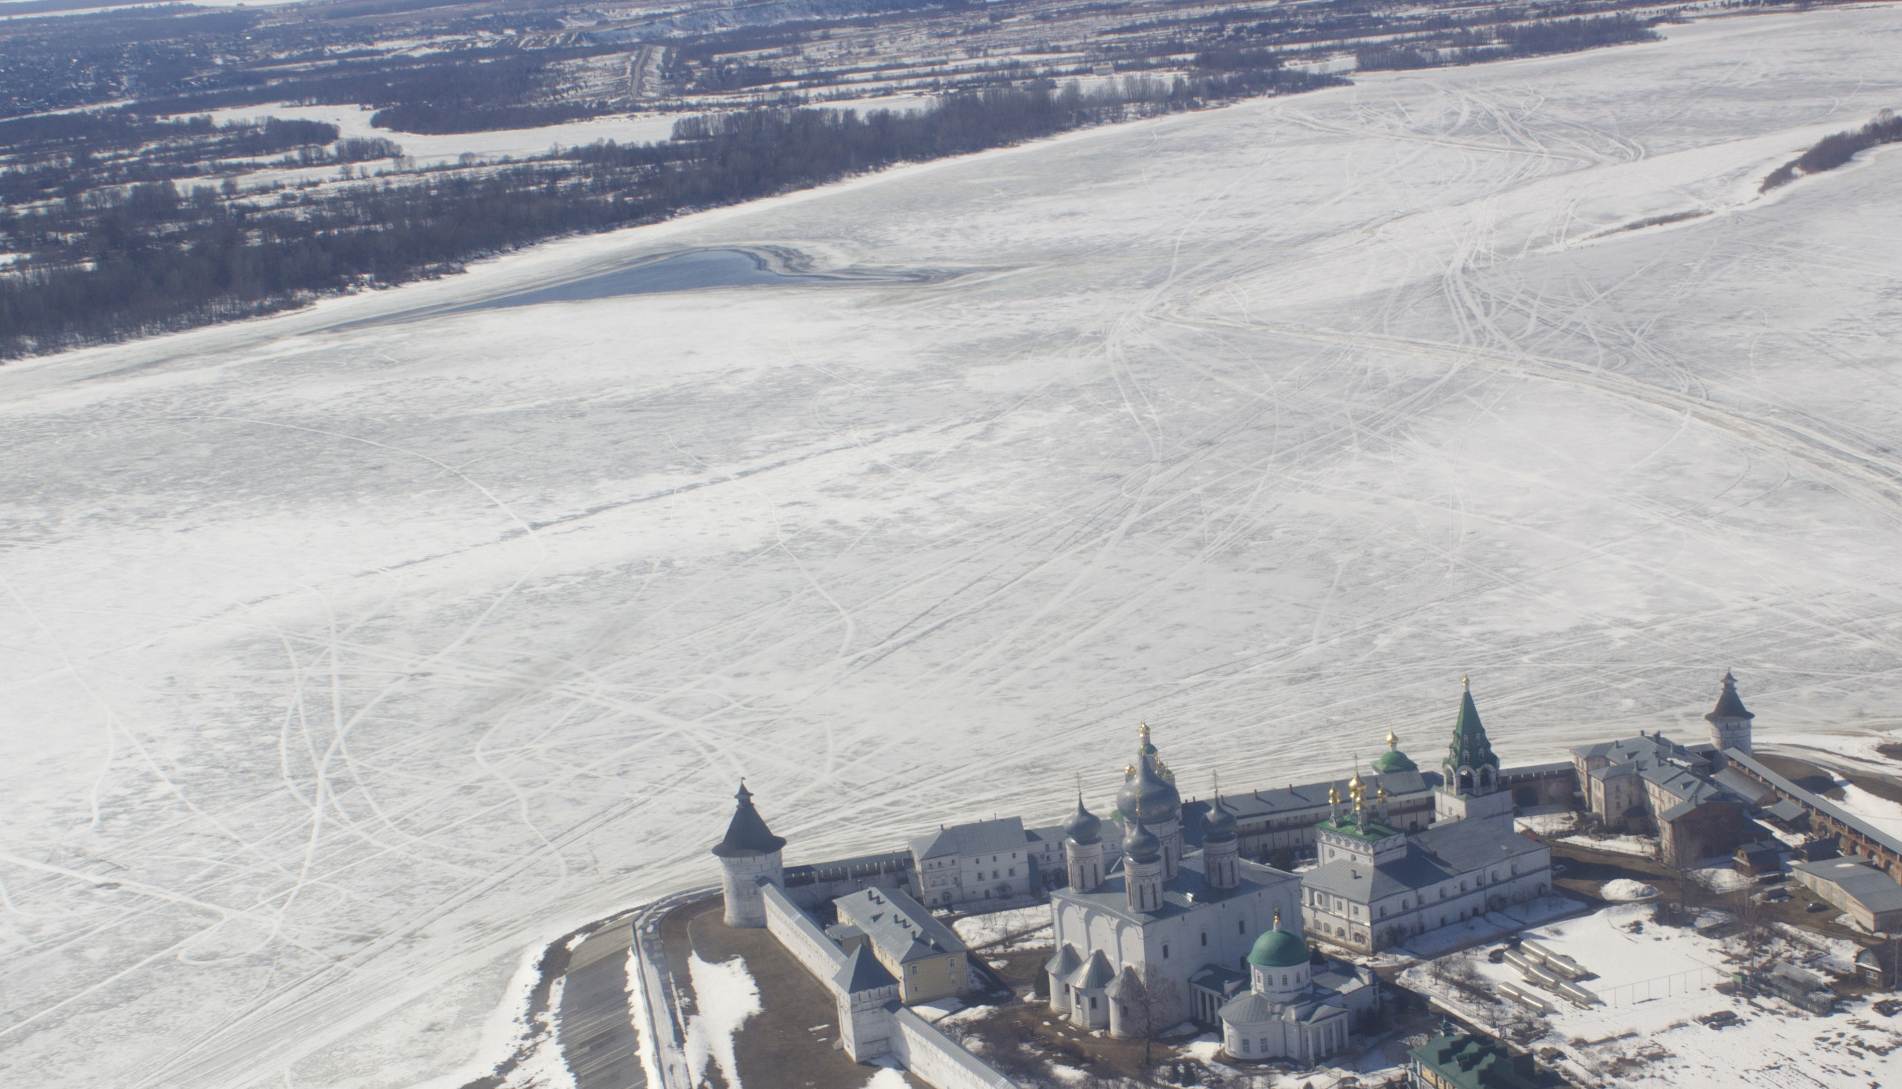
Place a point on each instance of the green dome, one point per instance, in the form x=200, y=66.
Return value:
x=1392, y=762
x=1278, y=949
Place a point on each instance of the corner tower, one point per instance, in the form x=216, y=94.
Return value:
x=749, y=857
x=1729, y=720
x=1470, y=772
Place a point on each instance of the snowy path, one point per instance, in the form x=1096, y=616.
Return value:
x=345, y=661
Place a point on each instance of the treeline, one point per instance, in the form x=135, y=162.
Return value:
x=117, y=264
x=1836, y=149
x=1540, y=38
x=64, y=155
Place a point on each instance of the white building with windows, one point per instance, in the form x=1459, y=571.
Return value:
x=984, y=863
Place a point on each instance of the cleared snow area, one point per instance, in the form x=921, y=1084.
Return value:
x=348, y=660
x=1655, y=981
x=430, y=149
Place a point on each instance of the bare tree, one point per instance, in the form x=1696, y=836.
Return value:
x=1151, y=1005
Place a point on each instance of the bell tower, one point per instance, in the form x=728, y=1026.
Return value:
x=1470, y=788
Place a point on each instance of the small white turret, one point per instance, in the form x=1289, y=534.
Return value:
x=1083, y=849
x=1221, y=848
x=1143, y=871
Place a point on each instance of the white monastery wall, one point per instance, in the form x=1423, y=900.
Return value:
x=936, y=1058
x=800, y=936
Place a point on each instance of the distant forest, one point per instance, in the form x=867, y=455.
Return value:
x=128, y=235
x=152, y=257
x=1836, y=149
x=1523, y=40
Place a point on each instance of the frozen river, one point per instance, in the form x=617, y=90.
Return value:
x=346, y=660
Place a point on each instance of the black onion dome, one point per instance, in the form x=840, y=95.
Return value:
x=1083, y=826
x=1147, y=797
x=746, y=833
x=1142, y=846
x=1221, y=824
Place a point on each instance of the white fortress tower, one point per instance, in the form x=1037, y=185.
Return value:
x=749, y=856
x=1729, y=720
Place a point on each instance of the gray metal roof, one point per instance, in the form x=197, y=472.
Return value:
x=975, y=838
x=1180, y=894
x=1814, y=801
x=1439, y=853
x=1093, y=973
x=898, y=925
x=1295, y=798
x=1643, y=748
x=863, y=972
x=1860, y=881
x=1743, y=786
x=1786, y=809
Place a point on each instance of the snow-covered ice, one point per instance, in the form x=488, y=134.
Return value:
x=348, y=661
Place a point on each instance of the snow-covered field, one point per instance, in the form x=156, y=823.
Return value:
x=345, y=662
x=1653, y=982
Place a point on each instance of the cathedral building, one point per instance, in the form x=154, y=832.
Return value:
x=1161, y=937
x=1377, y=886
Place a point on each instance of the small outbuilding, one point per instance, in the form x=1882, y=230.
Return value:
x=1871, y=898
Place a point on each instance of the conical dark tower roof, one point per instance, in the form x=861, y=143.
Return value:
x=1470, y=748
x=862, y=972
x=746, y=833
x=1729, y=705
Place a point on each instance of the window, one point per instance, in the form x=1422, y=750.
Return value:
x=1241, y=926
x=1205, y=939
x=1165, y=950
